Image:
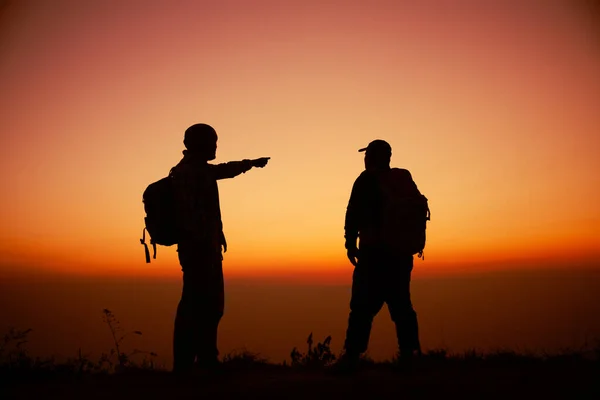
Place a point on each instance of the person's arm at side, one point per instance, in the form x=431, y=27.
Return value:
x=234, y=168
x=351, y=225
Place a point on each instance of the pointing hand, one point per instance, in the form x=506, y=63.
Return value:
x=260, y=162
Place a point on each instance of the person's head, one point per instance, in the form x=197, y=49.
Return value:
x=201, y=139
x=377, y=155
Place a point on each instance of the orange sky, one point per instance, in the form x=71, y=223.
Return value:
x=492, y=107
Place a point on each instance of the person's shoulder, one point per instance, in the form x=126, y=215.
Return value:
x=177, y=168
x=401, y=172
x=402, y=178
x=190, y=168
x=364, y=176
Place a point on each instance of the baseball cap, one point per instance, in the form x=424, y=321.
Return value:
x=378, y=146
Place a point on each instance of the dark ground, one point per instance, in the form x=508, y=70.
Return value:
x=521, y=378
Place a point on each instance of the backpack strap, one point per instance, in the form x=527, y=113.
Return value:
x=421, y=255
x=146, y=251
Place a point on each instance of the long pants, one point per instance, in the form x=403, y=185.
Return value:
x=382, y=277
x=199, y=311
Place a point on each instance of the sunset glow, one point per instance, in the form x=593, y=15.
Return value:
x=493, y=108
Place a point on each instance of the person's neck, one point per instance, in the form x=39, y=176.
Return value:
x=194, y=156
x=377, y=168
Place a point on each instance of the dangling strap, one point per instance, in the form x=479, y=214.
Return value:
x=153, y=249
x=143, y=241
x=421, y=255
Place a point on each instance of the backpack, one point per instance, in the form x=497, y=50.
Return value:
x=405, y=212
x=160, y=220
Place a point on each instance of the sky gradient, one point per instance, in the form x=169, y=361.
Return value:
x=492, y=107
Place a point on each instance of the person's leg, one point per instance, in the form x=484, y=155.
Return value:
x=184, y=352
x=400, y=305
x=210, y=312
x=199, y=311
x=366, y=301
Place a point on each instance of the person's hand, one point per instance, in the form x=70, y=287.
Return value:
x=260, y=162
x=223, y=242
x=224, y=247
x=353, y=256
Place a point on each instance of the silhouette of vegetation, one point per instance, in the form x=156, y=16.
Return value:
x=13, y=354
x=15, y=359
x=569, y=372
x=123, y=359
x=318, y=356
x=244, y=360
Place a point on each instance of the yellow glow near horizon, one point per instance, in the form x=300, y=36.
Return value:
x=493, y=109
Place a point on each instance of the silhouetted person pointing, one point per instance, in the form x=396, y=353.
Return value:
x=200, y=247
x=383, y=262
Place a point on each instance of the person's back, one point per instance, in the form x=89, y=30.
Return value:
x=383, y=265
x=380, y=200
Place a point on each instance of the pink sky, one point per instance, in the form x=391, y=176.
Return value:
x=493, y=108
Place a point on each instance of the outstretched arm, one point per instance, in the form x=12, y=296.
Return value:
x=234, y=168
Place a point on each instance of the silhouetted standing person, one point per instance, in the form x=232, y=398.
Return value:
x=383, y=264
x=200, y=247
